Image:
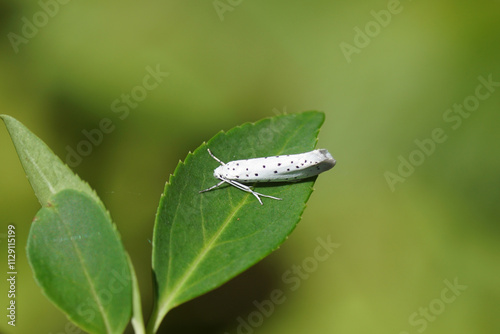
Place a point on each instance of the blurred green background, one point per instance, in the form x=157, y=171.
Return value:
x=385, y=73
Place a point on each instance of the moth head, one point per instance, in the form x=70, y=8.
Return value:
x=218, y=172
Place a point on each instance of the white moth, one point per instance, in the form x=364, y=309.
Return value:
x=280, y=168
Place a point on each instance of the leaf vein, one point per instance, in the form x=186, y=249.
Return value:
x=87, y=276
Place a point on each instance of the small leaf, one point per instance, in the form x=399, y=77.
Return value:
x=74, y=249
x=203, y=240
x=46, y=173
x=80, y=263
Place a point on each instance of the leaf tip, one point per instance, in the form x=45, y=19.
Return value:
x=7, y=119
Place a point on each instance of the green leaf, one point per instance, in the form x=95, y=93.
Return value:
x=80, y=263
x=202, y=240
x=46, y=173
x=73, y=248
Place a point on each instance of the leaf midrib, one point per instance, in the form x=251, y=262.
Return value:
x=38, y=170
x=87, y=275
x=205, y=250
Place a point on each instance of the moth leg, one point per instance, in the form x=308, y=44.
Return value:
x=248, y=189
x=215, y=158
x=212, y=187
